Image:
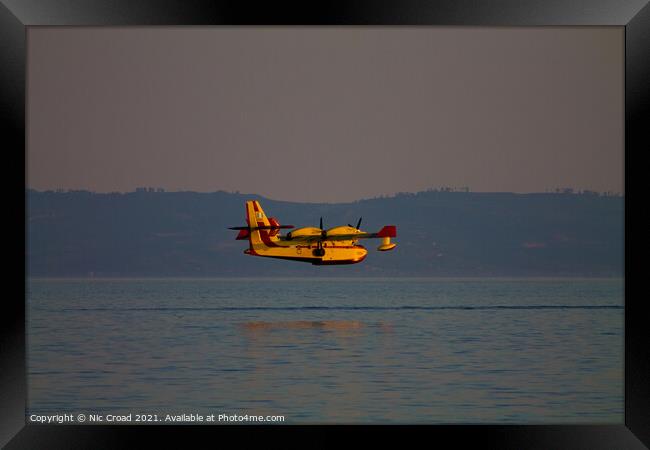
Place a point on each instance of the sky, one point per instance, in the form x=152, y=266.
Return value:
x=325, y=114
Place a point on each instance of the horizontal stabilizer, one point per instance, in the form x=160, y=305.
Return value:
x=264, y=227
x=243, y=234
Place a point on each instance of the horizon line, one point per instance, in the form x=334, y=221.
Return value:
x=441, y=189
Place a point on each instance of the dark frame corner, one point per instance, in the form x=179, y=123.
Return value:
x=634, y=15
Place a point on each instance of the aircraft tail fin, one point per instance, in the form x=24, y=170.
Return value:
x=257, y=221
x=259, y=229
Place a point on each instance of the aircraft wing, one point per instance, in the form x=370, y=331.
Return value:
x=306, y=239
x=387, y=231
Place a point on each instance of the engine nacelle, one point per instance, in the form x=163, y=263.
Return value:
x=342, y=230
x=306, y=231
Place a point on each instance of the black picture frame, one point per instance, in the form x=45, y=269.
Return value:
x=17, y=15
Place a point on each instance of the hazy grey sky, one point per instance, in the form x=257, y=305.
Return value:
x=325, y=113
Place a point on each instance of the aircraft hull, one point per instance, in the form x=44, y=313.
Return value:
x=334, y=255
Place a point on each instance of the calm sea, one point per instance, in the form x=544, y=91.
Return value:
x=330, y=350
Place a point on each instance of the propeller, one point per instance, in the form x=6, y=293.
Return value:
x=319, y=244
x=323, y=233
x=358, y=223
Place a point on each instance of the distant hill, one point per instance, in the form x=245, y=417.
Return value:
x=80, y=234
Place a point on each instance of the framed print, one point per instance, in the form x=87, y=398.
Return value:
x=355, y=213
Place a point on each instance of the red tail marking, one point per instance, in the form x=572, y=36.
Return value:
x=274, y=223
x=264, y=234
x=388, y=231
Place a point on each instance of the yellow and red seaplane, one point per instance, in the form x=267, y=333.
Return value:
x=318, y=246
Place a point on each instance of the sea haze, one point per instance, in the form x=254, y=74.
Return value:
x=341, y=350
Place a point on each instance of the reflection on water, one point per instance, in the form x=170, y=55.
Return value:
x=303, y=324
x=360, y=351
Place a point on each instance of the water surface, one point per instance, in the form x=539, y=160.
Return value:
x=330, y=350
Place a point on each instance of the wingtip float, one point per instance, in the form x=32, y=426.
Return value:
x=317, y=246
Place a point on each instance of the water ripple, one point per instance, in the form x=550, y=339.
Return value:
x=352, y=308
